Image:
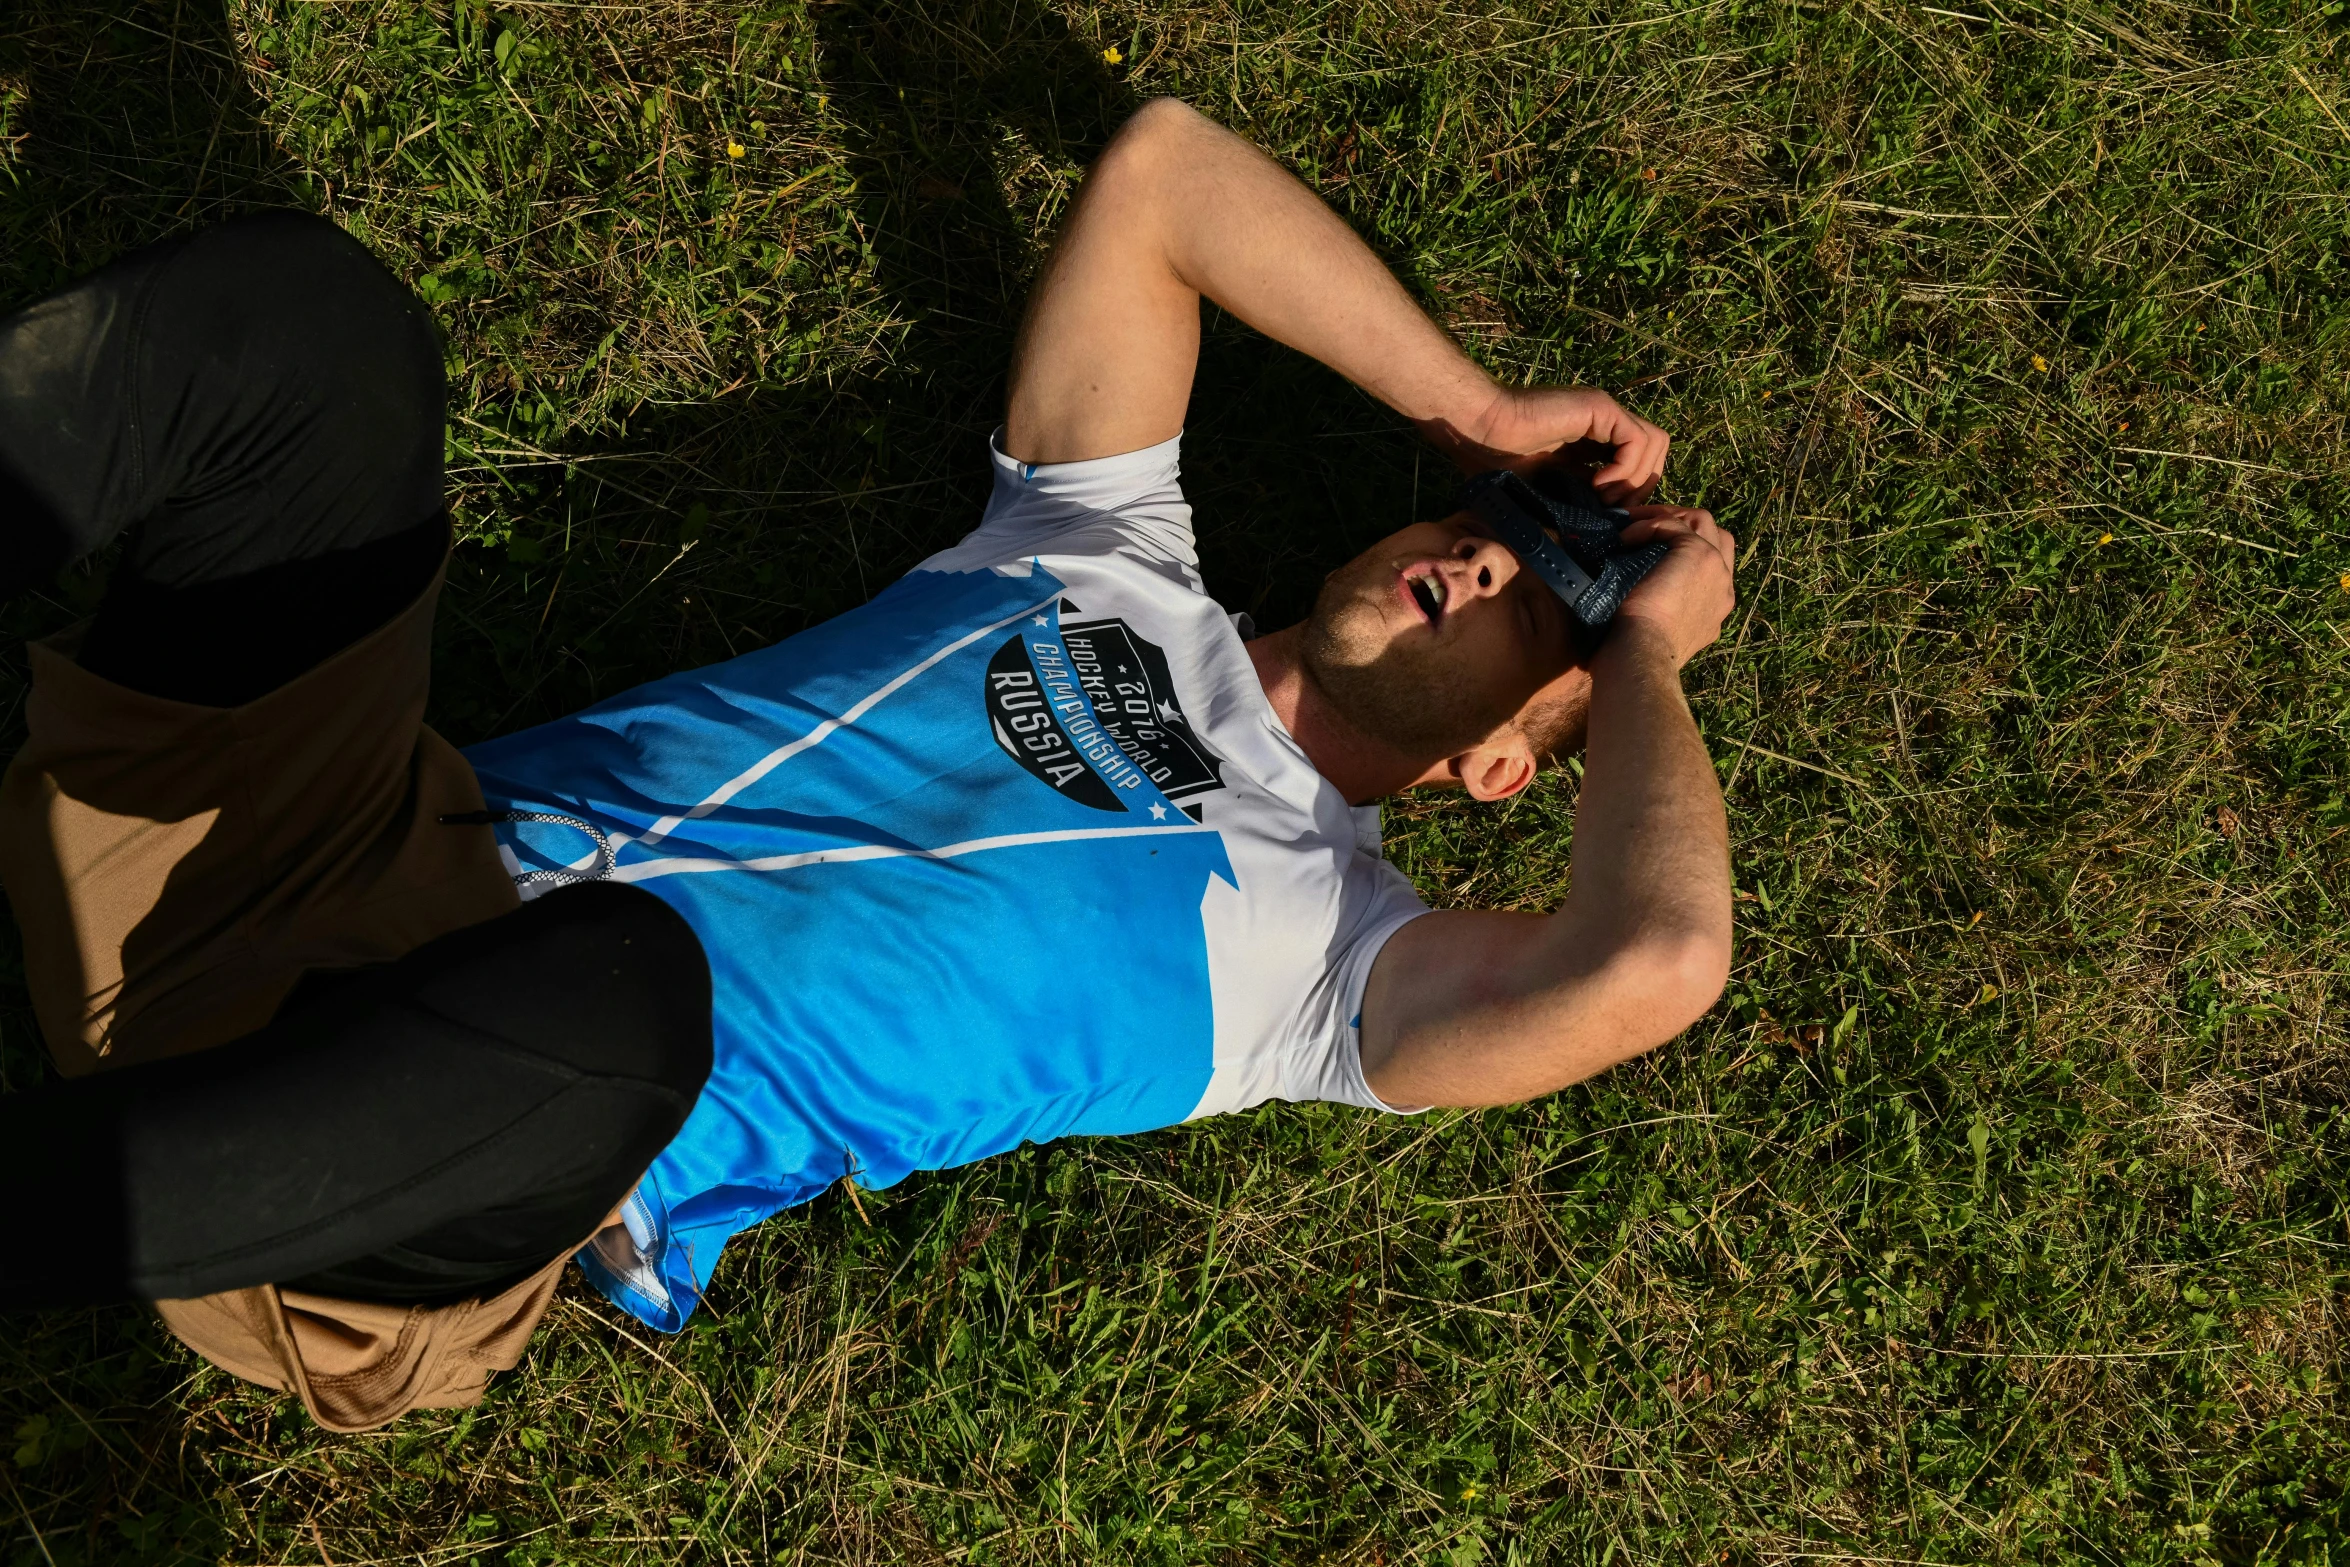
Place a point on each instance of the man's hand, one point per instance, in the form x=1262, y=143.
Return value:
x=1689, y=594
x=1522, y=427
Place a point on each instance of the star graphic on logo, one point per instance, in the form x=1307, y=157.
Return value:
x=1167, y=713
x=1040, y=620
x=1158, y=813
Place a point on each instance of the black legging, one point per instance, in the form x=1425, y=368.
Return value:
x=425, y=1130
x=258, y=411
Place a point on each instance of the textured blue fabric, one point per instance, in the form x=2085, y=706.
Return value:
x=895, y=987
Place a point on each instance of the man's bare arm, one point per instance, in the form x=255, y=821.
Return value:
x=1478, y=1008
x=1178, y=208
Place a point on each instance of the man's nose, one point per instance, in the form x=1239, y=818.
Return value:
x=1486, y=567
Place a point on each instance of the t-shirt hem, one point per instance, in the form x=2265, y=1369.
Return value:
x=1142, y=459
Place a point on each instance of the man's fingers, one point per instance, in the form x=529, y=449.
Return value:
x=1675, y=523
x=1650, y=521
x=1527, y=426
x=1639, y=457
x=1691, y=592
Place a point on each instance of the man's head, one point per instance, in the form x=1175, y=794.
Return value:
x=1436, y=644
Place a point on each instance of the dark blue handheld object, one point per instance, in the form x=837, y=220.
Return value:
x=1561, y=530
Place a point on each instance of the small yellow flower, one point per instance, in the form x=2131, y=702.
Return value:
x=1113, y=56
x=1470, y=1494
x=1977, y=920
x=2123, y=428
x=2346, y=581
x=2039, y=364
x=2104, y=539
x=735, y=149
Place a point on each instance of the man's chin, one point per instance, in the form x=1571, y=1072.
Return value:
x=1400, y=696
x=1420, y=721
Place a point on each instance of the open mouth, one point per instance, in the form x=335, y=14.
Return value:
x=1428, y=593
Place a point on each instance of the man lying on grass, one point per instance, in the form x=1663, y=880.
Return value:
x=1036, y=843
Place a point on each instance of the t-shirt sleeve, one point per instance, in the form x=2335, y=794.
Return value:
x=1131, y=505
x=1334, y=1070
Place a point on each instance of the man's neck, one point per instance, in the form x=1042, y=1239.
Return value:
x=1361, y=768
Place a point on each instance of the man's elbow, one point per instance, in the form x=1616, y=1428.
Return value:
x=1673, y=978
x=1159, y=131
x=1162, y=117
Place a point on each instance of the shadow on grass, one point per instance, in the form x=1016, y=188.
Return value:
x=128, y=122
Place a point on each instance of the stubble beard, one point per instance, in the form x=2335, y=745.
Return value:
x=1417, y=701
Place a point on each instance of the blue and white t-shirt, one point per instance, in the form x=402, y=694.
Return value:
x=1016, y=851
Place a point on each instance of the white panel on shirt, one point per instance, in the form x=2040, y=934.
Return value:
x=1290, y=951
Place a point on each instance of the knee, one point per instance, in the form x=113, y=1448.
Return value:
x=298, y=259
x=605, y=978
x=643, y=981
x=307, y=296
x=1161, y=120
x=1162, y=129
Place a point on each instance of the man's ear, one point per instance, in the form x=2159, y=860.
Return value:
x=1497, y=768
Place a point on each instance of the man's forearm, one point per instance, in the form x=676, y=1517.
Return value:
x=1246, y=233
x=1652, y=846
x=1482, y=1008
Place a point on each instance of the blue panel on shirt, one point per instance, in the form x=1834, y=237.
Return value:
x=881, y=1015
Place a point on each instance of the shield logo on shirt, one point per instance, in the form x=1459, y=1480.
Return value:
x=1091, y=710
x=1020, y=711
x=1126, y=679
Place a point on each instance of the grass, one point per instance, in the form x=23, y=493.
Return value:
x=1997, y=1214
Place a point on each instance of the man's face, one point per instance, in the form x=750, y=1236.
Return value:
x=1434, y=638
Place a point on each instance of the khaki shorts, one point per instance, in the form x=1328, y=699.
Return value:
x=176, y=869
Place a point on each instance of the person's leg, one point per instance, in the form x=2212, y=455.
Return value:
x=259, y=409
x=451, y=1120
